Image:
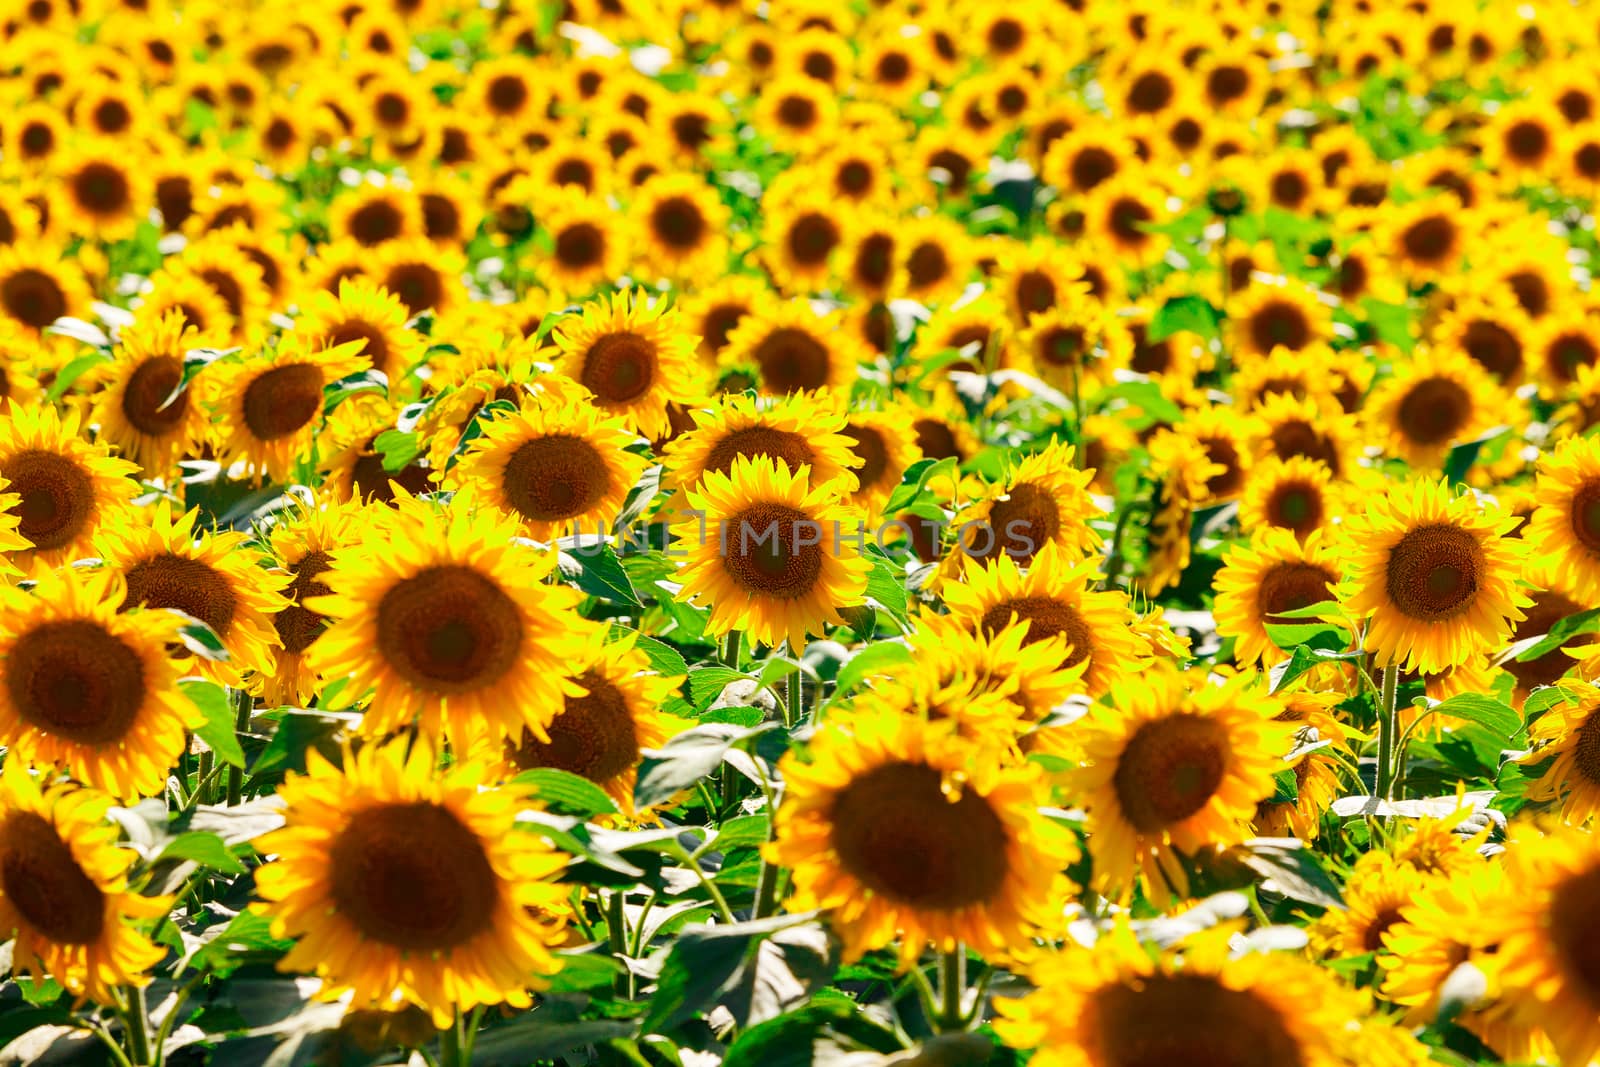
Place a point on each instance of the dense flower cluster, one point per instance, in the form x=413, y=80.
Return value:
x=686, y=531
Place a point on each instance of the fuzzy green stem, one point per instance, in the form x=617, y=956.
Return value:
x=1388, y=733
x=137, y=1019
x=243, y=704
x=617, y=934
x=952, y=986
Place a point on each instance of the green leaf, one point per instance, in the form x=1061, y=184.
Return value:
x=663, y=657
x=1462, y=456
x=73, y=371
x=703, y=961
x=885, y=586
x=596, y=570
x=363, y=381
x=875, y=659
x=474, y=427
x=1294, y=870
x=1391, y=322
x=1301, y=660
x=1486, y=711
x=687, y=758
x=1286, y=790
x=916, y=480
x=217, y=731
x=1190, y=313
x=567, y=792
x=789, y=1040
x=533, y=1038
x=1581, y=623
x=204, y=848
x=397, y=450
x=199, y=638
x=707, y=683
x=1148, y=398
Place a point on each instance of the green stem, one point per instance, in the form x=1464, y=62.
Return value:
x=792, y=688
x=136, y=1018
x=118, y=1056
x=730, y=649
x=1388, y=732
x=451, y=1052
x=243, y=703
x=952, y=984
x=766, y=890
x=617, y=934
x=693, y=864
x=203, y=776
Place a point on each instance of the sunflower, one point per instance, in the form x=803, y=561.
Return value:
x=89, y=689
x=1437, y=399
x=1492, y=329
x=63, y=485
x=1315, y=430
x=303, y=544
x=268, y=407
x=794, y=348
x=1430, y=940
x=105, y=197
x=601, y=734
x=797, y=113
x=587, y=249
x=773, y=555
x=1564, y=344
x=1564, y=534
x=680, y=226
x=1520, y=147
x=404, y=885
x=352, y=465
x=34, y=134
x=374, y=214
x=1375, y=892
x=1434, y=575
x=64, y=891
x=212, y=577
x=803, y=234
x=1053, y=597
x=1425, y=238
x=1287, y=314
x=1042, y=499
x=1549, y=607
x=1543, y=927
x=446, y=618
x=1174, y=764
x=1121, y=1004
x=1121, y=213
x=936, y=256
x=1224, y=436
x=1086, y=157
x=886, y=445
x=714, y=311
x=1274, y=573
x=136, y=410
x=632, y=355
x=1297, y=494
x=560, y=465
x=199, y=304
x=895, y=826
x=871, y=256
x=1318, y=774
x=38, y=285
x=232, y=276
x=798, y=430
x=366, y=313
x=425, y=276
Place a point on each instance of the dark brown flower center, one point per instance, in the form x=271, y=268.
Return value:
x=1046, y=617
x=773, y=550
x=619, y=367
x=593, y=736
x=1169, y=770
x=147, y=390
x=72, y=679
x=1435, y=572
x=899, y=834
x=449, y=629
x=57, y=497
x=792, y=359
x=1434, y=411
x=283, y=400
x=549, y=479
x=33, y=298
x=677, y=222
x=45, y=884
x=298, y=626
x=1292, y=585
x=413, y=876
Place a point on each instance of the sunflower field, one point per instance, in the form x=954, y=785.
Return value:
x=799, y=533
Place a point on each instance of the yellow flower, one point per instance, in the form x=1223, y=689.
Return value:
x=1434, y=576
x=1437, y=399
x=632, y=355
x=88, y=688
x=1274, y=573
x=1564, y=534
x=894, y=829
x=774, y=556
x=63, y=487
x=404, y=885
x=136, y=410
x=64, y=892
x=361, y=312
x=446, y=617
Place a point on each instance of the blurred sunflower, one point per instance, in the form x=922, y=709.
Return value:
x=1376, y=891
x=770, y=552
x=64, y=893
x=362, y=312
x=105, y=197
x=798, y=430
x=1042, y=499
x=446, y=619
x=38, y=285
x=1434, y=574
x=588, y=249
x=680, y=226
x=63, y=485
x=894, y=826
x=88, y=689
x=1568, y=734
x=303, y=544
x=1297, y=494
x=793, y=348
x=886, y=446
x=1053, y=598
x=405, y=885
x=1564, y=534
x=1437, y=399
